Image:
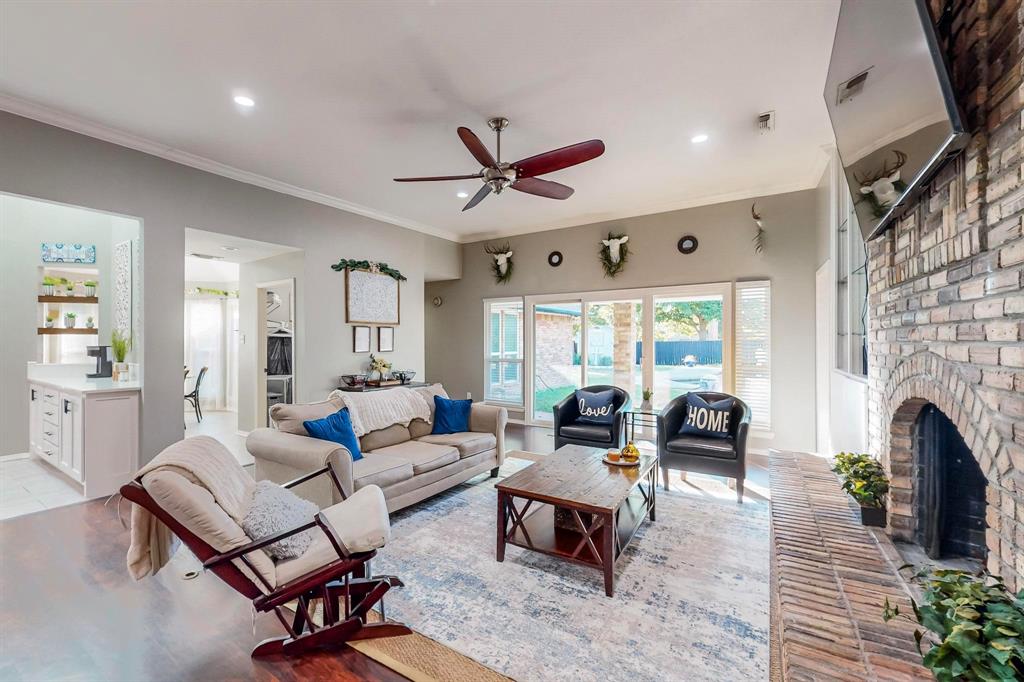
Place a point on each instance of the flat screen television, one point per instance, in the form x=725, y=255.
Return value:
x=892, y=107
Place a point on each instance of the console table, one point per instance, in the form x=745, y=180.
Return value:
x=367, y=389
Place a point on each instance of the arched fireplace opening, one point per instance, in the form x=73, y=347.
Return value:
x=949, y=490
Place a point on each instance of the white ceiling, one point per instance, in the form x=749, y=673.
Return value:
x=351, y=94
x=229, y=248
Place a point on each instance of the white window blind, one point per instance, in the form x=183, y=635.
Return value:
x=753, y=350
x=504, y=352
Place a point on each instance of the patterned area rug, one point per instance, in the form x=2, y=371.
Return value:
x=691, y=593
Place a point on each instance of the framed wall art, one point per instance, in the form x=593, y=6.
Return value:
x=360, y=339
x=385, y=339
x=371, y=298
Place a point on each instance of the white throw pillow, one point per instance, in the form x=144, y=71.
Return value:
x=274, y=509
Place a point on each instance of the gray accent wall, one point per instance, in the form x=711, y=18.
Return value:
x=46, y=162
x=454, y=351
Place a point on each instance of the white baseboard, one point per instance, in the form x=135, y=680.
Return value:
x=243, y=434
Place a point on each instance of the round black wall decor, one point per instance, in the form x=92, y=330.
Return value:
x=555, y=259
x=687, y=244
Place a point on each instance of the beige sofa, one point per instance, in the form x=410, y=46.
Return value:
x=407, y=463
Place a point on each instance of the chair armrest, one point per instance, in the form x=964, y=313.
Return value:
x=329, y=469
x=239, y=552
x=565, y=411
x=302, y=454
x=671, y=419
x=485, y=418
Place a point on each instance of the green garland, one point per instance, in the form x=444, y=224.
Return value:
x=611, y=269
x=346, y=264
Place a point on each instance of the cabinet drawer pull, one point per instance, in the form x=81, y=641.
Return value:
x=49, y=414
x=48, y=433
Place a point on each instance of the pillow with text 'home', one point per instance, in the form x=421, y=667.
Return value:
x=707, y=419
x=596, y=408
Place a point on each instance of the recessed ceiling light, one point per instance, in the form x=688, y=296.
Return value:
x=229, y=248
x=462, y=195
x=243, y=101
x=697, y=139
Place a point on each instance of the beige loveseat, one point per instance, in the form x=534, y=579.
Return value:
x=408, y=463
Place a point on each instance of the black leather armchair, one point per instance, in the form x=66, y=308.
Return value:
x=570, y=431
x=701, y=455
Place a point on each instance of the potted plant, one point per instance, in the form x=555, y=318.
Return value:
x=648, y=393
x=973, y=625
x=119, y=345
x=69, y=320
x=49, y=283
x=380, y=366
x=865, y=481
x=90, y=287
x=89, y=324
x=51, y=319
x=69, y=287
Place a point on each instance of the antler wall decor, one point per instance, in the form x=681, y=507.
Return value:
x=760, y=236
x=883, y=188
x=502, y=265
x=613, y=254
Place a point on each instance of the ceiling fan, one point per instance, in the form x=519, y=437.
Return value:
x=519, y=175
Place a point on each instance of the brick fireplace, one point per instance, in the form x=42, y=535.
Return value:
x=946, y=310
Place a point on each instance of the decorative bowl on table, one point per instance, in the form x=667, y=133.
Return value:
x=403, y=375
x=353, y=380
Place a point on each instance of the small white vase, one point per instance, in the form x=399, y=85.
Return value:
x=90, y=291
x=49, y=324
x=121, y=371
x=70, y=322
x=47, y=290
x=646, y=405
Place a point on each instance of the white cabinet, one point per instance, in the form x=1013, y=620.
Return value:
x=71, y=435
x=89, y=430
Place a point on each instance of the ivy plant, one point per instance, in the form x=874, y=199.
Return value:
x=973, y=626
x=348, y=264
x=863, y=478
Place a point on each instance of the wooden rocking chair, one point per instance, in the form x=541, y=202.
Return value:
x=336, y=576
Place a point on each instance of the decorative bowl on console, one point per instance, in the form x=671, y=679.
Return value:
x=403, y=375
x=353, y=379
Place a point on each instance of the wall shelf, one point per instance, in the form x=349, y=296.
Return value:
x=69, y=299
x=66, y=330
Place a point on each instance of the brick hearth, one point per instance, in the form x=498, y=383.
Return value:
x=945, y=304
x=831, y=577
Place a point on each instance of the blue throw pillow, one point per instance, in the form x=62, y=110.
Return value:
x=711, y=420
x=596, y=408
x=336, y=428
x=451, y=416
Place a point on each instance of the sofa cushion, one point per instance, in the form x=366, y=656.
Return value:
x=381, y=438
x=336, y=428
x=419, y=428
x=428, y=393
x=592, y=432
x=361, y=523
x=289, y=418
x=423, y=456
x=451, y=416
x=379, y=469
x=723, y=448
x=274, y=509
x=467, y=442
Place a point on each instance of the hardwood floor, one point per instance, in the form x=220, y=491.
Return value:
x=69, y=611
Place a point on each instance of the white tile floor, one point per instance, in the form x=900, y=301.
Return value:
x=29, y=485
x=220, y=425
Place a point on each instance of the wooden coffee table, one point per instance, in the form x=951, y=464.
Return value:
x=604, y=505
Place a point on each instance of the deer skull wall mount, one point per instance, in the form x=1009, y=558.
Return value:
x=883, y=188
x=502, y=263
x=613, y=254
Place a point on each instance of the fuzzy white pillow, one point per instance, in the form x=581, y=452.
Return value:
x=274, y=509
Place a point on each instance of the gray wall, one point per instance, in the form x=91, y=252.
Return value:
x=39, y=160
x=823, y=226
x=454, y=331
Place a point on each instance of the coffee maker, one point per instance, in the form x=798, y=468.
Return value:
x=104, y=362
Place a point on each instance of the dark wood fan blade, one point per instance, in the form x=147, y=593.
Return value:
x=478, y=197
x=543, y=188
x=432, y=178
x=549, y=162
x=476, y=147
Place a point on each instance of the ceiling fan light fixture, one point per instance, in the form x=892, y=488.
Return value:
x=244, y=101
x=698, y=138
x=462, y=195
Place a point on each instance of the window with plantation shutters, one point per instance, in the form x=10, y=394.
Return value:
x=753, y=350
x=504, y=357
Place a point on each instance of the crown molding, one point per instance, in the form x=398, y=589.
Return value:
x=89, y=128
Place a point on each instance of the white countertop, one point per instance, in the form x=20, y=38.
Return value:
x=72, y=378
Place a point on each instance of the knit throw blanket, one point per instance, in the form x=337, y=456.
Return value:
x=376, y=410
x=216, y=469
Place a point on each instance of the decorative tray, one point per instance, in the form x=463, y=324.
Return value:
x=620, y=463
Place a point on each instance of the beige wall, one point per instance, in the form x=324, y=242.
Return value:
x=454, y=353
x=39, y=160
